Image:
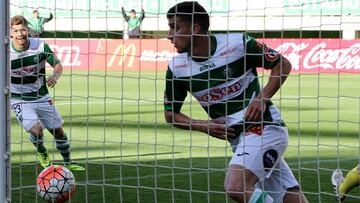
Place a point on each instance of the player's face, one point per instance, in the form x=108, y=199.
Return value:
x=35, y=14
x=19, y=33
x=180, y=34
x=132, y=14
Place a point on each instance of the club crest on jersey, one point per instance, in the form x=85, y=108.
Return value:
x=228, y=72
x=271, y=54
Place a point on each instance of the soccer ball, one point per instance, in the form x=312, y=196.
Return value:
x=55, y=184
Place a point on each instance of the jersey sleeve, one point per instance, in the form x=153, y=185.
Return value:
x=175, y=93
x=50, y=56
x=259, y=54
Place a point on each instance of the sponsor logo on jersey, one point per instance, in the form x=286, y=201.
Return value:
x=217, y=94
x=22, y=54
x=228, y=51
x=269, y=158
x=242, y=154
x=207, y=66
x=181, y=66
x=25, y=71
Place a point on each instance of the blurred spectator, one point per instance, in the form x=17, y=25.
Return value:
x=134, y=22
x=36, y=24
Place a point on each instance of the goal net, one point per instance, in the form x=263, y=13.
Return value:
x=111, y=98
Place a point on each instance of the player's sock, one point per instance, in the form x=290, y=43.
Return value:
x=260, y=196
x=63, y=146
x=38, y=143
x=351, y=180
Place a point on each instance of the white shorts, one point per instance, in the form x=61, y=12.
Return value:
x=29, y=113
x=263, y=155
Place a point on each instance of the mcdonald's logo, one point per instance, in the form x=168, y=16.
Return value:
x=121, y=53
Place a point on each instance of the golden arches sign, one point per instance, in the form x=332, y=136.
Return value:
x=123, y=51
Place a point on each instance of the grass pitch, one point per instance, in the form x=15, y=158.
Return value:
x=117, y=130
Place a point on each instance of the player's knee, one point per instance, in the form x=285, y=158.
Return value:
x=57, y=132
x=236, y=190
x=37, y=130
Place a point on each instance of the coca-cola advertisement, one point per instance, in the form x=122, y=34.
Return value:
x=320, y=55
x=306, y=55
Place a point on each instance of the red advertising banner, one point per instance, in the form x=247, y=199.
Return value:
x=306, y=55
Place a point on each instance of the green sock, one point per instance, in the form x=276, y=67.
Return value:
x=38, y=143
x=63, y=146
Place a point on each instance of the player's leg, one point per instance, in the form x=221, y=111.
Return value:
x=28, y=119
x=63, y=145
x=245, y=169
x=343, y=185
x=283, y=179
x=239, y=185
x=53, y=121
x=294, y=195
x=37, y=138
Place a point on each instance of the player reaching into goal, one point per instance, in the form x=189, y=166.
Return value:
x=30, y=100
x=220, y=72
x=342, y=185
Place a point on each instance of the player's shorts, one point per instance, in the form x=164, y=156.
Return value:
x=29, y=113
x=261, y=151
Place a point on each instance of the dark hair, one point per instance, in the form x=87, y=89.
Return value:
x=18, y=20
x=191, y=11
x=35, y=11
x=132, y=11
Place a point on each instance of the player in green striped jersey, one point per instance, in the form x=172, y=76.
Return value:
x=30, y=101
x=220, y=72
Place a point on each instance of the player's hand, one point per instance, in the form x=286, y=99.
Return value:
x=255, y=110
x=51, y=81
x=218, y=129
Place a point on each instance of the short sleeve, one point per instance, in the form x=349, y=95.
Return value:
x=259, y=55
x=175, y=92
x=50, y=56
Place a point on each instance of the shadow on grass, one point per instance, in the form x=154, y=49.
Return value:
x=171, y=180
x=304, y=131
x=302, y=108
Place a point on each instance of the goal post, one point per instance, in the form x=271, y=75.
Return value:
x=4, y=104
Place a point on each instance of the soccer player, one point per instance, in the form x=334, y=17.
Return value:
x=220, y=72
x=342, y=185
x=36, y=24
x=134, y=22
x=30, y=100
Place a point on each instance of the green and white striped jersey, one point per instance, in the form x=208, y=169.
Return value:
x=225, y=83
x=28, y=77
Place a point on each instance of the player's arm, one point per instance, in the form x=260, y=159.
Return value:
x=173, y=101
x=55, y=63
x=124, y=14
x=261, y=55
x=48, y=19
x=142, y=14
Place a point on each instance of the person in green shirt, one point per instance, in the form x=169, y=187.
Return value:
x=36, y=24
x=134, y=22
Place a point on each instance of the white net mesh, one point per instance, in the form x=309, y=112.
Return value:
x=111, y=99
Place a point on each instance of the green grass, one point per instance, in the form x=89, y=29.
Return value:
x=117, y=130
